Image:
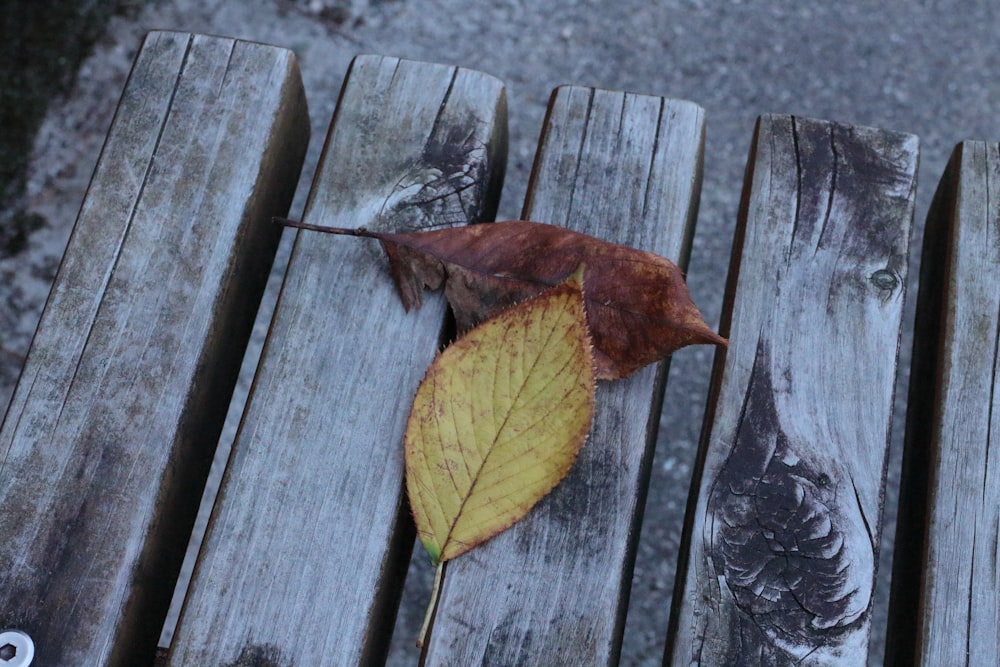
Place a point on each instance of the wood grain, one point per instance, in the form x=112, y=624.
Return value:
x=554, y=588
x=310, y=537
x=781, y=537
x=112, y=425
x=945, y=603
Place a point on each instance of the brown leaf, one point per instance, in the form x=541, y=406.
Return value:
x=638, y=308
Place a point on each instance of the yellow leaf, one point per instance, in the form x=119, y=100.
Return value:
x=498, y=420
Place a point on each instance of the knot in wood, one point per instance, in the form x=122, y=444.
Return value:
x=781, y=537
x=884, y=280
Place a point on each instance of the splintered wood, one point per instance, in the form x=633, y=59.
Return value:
x=780, y=546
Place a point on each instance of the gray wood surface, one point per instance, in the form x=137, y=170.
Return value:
x=553, y=589
x=945, y=604
x=310, y=537
x=780, y=542
x=112, y=425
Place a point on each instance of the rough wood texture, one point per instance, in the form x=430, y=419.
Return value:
x=553, y=589
x=945, y=605
x=310, y=537
x=111, y=428
x=781, y=537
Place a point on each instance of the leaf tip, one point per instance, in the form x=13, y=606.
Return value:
x=433, y=550
x=706, y=336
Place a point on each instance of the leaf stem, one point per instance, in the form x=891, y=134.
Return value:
x=431, y=605
x=345, y=231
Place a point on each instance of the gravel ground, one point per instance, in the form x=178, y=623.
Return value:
x=925, y=67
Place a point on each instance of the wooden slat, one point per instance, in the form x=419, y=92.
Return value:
x=113, y=422
x=553, y=589
x=780, y=542
x=945, y=604
x=310, y=536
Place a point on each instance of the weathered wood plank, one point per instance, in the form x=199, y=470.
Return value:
x=945, y=604
x=310, y=537
x=780, y=543
x=112, y=425
x=554, y=588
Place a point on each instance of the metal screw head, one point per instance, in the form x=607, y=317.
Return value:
x=16, y=649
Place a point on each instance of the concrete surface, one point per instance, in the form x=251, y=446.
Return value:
x=927, y=67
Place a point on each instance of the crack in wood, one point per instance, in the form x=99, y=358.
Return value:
x=798, y=184
x=584, y=132
x=229, y=66
x=650, y=173
x=833, y=188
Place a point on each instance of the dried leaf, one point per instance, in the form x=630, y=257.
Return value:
x=498, y=420
x=638, y=308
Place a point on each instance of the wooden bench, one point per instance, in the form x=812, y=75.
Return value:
x=945, y=603
x=779, y=554
x=110, y=431
x=108, y=436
